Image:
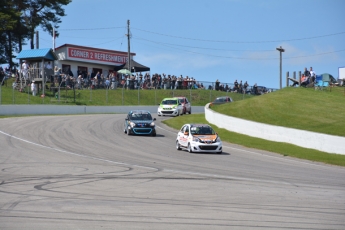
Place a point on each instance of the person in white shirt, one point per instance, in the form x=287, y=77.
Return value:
x=33, y=88
x=48, y=65
x=312, y=74
x=25, y=69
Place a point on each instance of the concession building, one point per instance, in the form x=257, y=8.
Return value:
x=82, y=59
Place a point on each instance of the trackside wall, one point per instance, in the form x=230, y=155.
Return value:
x=9, y=110
x=306, y=139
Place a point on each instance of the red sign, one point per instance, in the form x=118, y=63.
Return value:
x=96, y=56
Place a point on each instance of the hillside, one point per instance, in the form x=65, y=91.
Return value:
x=300, y=108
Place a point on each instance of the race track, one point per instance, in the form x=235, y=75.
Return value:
x=83, y=172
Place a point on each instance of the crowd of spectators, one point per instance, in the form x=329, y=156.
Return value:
x=134, y=81
x=308, y=78
x=238, y=87
x=113, y=80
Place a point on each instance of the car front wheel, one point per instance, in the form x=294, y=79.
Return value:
x=189, y=148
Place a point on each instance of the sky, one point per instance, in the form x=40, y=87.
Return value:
x=226, y=40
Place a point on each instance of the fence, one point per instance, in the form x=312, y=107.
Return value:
x=130, y=92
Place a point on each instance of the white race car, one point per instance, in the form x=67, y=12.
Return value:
x=198, y=138
x=170, y=107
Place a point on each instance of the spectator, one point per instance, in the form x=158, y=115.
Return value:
x=79, y=82
x=255, y=88
x=25, y=69
x=185, y=82
x=107, y=83
x=165, y=81
x=312, y=75
x=245, y=86
x=173, y=82
x=113, y=81
x=98, y=78
x=79, y=72
x=306, y=72
x=240, y=87
x=48, y=65
x=304, y=80
x=70, y=73
x=92, y=75
x=235, y=89
x=217, y=85
x=169, y=82
x=33, y=88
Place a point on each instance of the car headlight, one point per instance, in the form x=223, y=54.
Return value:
x=195, y=139
x=174, y=107
x=218, y=139
x=152, y=124
x=132, y=124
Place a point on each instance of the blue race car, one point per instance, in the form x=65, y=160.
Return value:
x=140, y=122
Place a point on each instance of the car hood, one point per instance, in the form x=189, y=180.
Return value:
x=207, y=137
x=168, y=106
x=143, y=121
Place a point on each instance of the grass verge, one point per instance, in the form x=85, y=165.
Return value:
x=284, y=149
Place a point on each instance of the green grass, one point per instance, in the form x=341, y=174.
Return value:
x=300, y=108
x=102, y=97
x=257, y=143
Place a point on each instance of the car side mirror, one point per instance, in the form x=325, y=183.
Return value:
x=154, y=119
x=126, y=119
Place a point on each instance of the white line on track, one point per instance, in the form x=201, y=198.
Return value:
x=166, y=170
x=144, y=167
x=76, y=154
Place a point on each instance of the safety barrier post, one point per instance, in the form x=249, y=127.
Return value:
x=287, y=78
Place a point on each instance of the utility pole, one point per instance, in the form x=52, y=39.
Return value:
x=281, y=50
x=129, y=47
x=37, y=40
x=53, y=39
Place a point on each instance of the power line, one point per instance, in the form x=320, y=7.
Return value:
x=196, y=47
x=244, y=58
x=105, y=28
x=218, y=41
x=318, y=54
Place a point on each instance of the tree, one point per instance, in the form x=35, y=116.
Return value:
x=19, y=20
x=9, y=18
x=44, y=13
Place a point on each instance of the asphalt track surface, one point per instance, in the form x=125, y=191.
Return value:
x=83, y=172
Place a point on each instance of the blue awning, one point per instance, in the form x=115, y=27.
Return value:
x=37, y=54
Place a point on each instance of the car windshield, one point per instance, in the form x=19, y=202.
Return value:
x=181, y=100
x=169, y=102
x=219, y=100
x=141, y=116
x=202, y=130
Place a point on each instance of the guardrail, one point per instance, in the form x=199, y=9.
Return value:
x=306, y=139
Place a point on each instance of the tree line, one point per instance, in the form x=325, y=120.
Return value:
x=19, y=20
